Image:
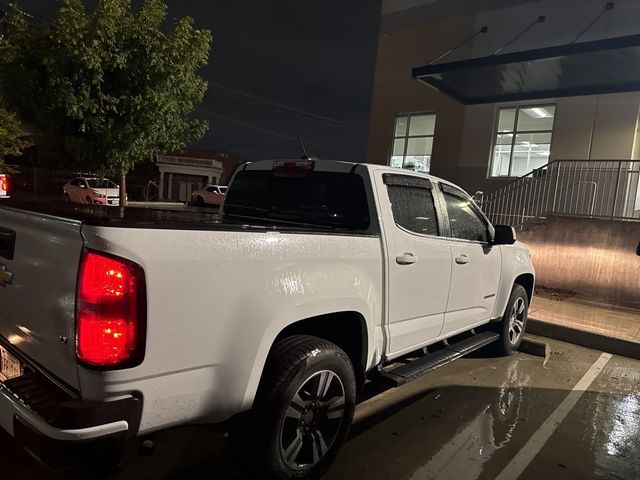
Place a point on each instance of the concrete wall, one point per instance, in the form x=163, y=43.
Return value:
x=594, y=258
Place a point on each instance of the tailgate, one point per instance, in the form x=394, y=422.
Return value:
x=37, y=307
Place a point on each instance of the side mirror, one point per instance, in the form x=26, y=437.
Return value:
x=505, y=235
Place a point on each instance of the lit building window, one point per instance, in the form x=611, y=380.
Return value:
x=523, y=140
x=413, y=141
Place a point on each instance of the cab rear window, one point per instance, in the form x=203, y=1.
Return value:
x=324, y=199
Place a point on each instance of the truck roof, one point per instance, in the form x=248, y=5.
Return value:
x=322, y=165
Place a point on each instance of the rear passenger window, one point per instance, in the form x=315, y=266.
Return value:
x=465, y=222
x=412, y=204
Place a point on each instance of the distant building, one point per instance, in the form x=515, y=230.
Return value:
x=526, y=101
x=187, y=170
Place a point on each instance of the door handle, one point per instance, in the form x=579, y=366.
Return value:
x=406, y=259
x=462, y=259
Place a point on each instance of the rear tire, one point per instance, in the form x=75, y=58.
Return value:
x=514, y=321
x=199, y=202
x=67, y=198
x=302, y=411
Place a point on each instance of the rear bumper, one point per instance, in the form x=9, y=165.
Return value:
x=61, y=454
x=12, y=409
x=55, y=425
x=79, y=428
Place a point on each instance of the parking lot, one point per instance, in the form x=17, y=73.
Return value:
x=477, y=418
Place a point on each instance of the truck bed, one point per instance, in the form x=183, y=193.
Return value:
x=158, y=218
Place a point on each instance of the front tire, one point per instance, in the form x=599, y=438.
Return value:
x=514, y=321
x=302, y=412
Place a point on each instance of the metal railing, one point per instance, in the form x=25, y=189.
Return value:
x=584, y=188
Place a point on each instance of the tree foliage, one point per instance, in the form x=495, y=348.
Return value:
x=109, y=88
x=12, y=139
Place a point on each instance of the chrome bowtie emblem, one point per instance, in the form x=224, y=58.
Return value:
x=6, y=277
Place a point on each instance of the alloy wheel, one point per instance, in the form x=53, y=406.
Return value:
x=516, y=320
x=312, y=421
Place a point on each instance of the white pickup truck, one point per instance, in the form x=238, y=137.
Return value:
x=319, y=276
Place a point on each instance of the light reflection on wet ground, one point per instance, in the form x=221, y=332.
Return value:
x=601, y=436
x=466, y=420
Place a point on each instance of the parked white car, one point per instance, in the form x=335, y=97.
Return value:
x=209, y=195
x=332, y=272
x=92, y=190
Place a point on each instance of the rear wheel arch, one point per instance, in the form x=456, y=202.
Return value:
x=348, y=330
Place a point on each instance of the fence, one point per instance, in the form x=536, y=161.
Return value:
x=583, y=188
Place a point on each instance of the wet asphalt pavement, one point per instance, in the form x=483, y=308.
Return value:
x=476, y=418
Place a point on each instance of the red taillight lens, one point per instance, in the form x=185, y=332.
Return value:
x=4, y=184
x=110, y=312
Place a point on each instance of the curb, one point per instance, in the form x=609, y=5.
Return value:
x=533, y=347
x=616, y=346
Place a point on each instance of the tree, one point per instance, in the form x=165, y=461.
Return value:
x=107, y=89
x=12, y=139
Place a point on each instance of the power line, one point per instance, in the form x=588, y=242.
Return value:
x=263, y=101
x=280, y=110
x=234, y=121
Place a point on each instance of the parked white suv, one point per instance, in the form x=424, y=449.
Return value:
x=333, y=272
x=92, y=190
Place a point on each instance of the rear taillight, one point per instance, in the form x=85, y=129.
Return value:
x=4, y=183
x=110, y=312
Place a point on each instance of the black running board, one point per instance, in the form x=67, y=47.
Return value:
x=416, y=368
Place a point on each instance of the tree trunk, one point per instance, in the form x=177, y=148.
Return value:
x=123, y=188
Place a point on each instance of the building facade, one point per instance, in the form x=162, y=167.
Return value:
x=484, y=147
x=184, y=171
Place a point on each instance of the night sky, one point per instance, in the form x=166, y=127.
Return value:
x=280, y=67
